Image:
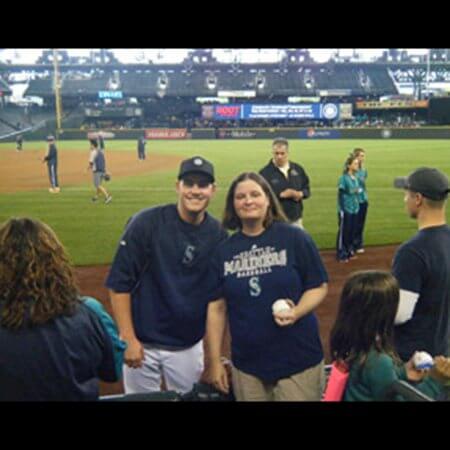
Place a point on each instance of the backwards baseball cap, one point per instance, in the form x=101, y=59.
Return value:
x=431, y=183
x=196, y=165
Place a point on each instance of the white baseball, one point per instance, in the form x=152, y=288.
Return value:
x=280, y=305
x=423, y=360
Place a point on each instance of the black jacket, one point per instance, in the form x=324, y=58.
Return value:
x=297, y=179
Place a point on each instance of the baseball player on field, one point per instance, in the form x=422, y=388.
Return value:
x=348, y=207
x=98, y=166
x=51, y=158
x=160, y=288
x=141, y=148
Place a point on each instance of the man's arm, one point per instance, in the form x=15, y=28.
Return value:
x=121, y=305
x=215, y=329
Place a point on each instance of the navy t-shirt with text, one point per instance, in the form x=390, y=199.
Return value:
x=253, y=272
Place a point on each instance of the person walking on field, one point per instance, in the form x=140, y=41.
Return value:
x=97, y=164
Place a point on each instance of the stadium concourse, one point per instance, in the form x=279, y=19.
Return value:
x=91, y=281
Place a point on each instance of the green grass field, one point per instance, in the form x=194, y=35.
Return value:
x=90, y=231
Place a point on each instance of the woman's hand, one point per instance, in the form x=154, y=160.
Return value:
x=287, y=317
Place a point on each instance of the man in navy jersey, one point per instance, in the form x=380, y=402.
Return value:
x=160, y=287
x=422, y=267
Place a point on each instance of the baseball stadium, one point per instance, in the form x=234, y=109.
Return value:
x=228, y=110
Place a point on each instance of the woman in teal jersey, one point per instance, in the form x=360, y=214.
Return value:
x=348, y=207
x=362, y=338
x=361, y=174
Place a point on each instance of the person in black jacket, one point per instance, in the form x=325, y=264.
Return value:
x=288, y=180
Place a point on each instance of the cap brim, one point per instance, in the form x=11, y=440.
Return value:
x=198, y=173
x=401, y=182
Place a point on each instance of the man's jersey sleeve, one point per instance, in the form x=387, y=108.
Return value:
x=131, y=257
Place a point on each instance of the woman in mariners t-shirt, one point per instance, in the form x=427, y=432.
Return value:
x=276, y=355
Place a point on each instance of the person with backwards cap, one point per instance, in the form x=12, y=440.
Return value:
x=422, y=267
x=159, y=284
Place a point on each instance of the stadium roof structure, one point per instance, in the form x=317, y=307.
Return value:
x=4, y=88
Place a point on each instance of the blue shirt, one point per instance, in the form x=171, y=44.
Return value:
x=422, y=265
x=163, y=262
x=253, y=272
x=52, y=155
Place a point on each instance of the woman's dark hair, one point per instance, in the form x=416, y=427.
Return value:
x=274, y=212
x=36, y=278
x=349, y=161
x=365, y=318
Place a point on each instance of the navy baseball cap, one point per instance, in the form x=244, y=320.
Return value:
x=196, y=165
x=429, y=182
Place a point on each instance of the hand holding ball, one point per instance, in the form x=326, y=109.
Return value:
x=280, y=305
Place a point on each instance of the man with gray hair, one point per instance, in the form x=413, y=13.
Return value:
x=422, y=267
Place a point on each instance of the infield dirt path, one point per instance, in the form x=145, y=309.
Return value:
x=24, y=171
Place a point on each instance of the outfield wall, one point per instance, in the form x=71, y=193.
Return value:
x=265, y=133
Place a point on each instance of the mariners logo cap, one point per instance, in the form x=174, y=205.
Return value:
x=196, y=165
x=429, y=182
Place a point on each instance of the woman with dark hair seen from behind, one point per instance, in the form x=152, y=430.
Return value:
x=276, y=350
x=362, y=339
x=54, y=345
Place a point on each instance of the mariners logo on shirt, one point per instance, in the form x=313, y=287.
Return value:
x=189, y=255
x=255, y=287
x=294, y=172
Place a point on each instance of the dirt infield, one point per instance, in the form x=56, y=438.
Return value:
x=91, y=281
x=24, y=171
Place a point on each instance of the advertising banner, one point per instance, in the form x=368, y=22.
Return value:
x=312, y=133
x=166, y=133
x=248, y=111
x=392, y=104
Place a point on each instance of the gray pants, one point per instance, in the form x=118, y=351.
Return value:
x=181, y=369
x=97, y=178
